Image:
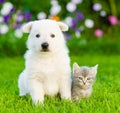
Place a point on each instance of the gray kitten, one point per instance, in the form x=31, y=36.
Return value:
x=83, y=79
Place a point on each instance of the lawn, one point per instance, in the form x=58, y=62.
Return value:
x=105, y=97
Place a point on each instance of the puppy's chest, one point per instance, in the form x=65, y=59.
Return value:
x=45, y=68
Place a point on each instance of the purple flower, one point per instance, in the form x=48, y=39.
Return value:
x=74, y=23
x=6, y=18
x=27, y=16
x=2, y=1
x=78, y=30
x=67, y=36
x=12, y=10
x=80, y=16
x=19, y=18
x=18, y=26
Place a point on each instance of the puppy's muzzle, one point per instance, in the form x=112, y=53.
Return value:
x=45, y=46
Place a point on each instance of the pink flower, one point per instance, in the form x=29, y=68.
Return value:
x=113, y=20
x=98, y=33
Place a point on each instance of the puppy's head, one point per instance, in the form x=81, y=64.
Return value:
x=45, y=35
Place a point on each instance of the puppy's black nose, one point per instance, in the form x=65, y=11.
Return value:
x=45, y=45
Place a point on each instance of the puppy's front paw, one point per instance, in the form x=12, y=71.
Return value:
x=66, y=95
x=38, y=102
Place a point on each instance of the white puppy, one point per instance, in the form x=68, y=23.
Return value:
x=47, y=65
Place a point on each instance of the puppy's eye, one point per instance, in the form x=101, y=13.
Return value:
x=52, y=35
x=37, y=35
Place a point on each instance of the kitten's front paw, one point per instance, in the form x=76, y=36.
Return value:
x=75, y=98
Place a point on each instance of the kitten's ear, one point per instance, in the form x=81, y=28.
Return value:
x=96, y=66
x=94, y=69
x=75, y=68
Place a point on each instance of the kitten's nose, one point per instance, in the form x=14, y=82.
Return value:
x=84, y=82
x=45, y=45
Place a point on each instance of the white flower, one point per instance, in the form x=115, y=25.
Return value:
x=81, y=28
x=97, y=7
x=77, y=1
x=54, y=2
x=77, y=34
x=89, y=23
x=55, y=9
x=1, y=19
x=3, y=29
x=41, y=15
x=18, y=33
x=103, y=13
x=71, y=7
x=6, y=8
x=68, y=21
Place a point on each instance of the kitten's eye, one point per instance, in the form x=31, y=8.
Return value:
x=80, y=78
x=88, y=78
x=37, y=35
x=52, y=35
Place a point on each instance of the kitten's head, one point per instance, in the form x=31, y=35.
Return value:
x=84, y=76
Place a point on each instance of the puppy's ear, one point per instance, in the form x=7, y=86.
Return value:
x=63, y=26
x=27, y=27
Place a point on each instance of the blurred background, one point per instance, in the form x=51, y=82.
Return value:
x=94, y=25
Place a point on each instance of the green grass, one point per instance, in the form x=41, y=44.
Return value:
x=105, y=97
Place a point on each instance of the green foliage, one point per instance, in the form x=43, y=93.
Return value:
x=12, y=46
x=34, y=6
x=96, y=46
x=87, y=43
x=108, y=44
x=105, y=97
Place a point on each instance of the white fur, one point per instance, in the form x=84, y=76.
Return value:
x=46, y=73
